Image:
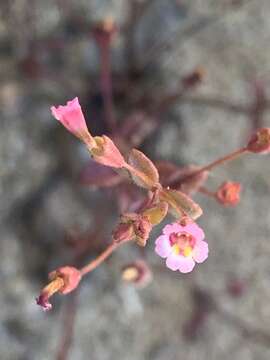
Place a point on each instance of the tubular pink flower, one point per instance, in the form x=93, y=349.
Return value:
x=182, y=246
x=71, y=116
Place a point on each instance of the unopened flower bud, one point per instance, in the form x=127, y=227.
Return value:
x=194, y=78
x=106, y=152
x=142, y=229
x=104, y=31
x=63, y=280
x=137, y=273
x=140, y=225
x=123, y=232
x=70, y=275
x=228, y=193
x=260, y=141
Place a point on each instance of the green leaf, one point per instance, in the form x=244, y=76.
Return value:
x=157, y=213
x=142, y=170
x=181, y=204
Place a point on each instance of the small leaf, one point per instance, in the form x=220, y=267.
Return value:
x=145, y=174
x=181, y=204
x=157, y=213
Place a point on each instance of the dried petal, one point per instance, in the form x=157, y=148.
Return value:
x=63, y=280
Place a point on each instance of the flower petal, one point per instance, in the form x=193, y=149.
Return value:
x=194, y=230
x=186, y=265
x=200, y=252
x=71, y=116
x=163, y=247
x=181, y=263
x=172, y=228
x=173, y=261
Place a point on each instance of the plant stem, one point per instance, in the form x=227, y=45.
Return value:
x=216, y=163
x=68, y=327
x=99, y=260
x=207, y=192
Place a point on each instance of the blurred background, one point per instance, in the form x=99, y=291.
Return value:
x=52, y=212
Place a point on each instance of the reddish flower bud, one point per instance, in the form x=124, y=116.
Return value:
x=106, y=152
x=194, y=78
x=137, y=273
x=70, y=275
x=63, y=280
x=228, y=193
x=104, y=31
x=123, y=232
x=142, y=229
x=138, y=223
x=260, y=141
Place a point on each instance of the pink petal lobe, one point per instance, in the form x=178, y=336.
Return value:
x=181, y=263
x=55, y=112
x=172, y=228
x=200, y=252
x=195, y=230
x=186, y=265
x=71, y=116
x=173, y=261
x=163, y=247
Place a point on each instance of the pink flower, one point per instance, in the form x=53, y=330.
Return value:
x=182, y=246
x=71, y=116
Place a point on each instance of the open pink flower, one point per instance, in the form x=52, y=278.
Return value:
x=71, y=116
x=182, y=246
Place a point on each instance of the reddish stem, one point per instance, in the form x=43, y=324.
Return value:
x=97, y=261
x=68, y=327
x=207, y=192
x=216, y=163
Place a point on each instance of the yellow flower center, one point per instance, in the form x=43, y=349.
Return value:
x=182, y=243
